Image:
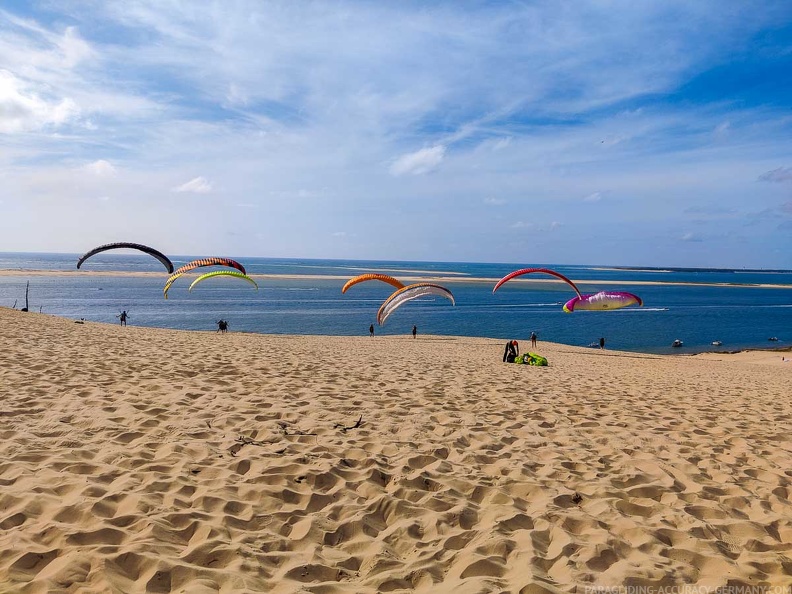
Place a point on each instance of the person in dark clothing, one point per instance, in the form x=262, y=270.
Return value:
x=415, y=331
x=222, y=326
x=602, y=343
x=371, y=330
x=123, y=317
x=533, y=339
x=511, y=351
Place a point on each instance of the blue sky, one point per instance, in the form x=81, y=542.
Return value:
x=604, y=132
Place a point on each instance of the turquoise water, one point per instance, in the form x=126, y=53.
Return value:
x=739, y=315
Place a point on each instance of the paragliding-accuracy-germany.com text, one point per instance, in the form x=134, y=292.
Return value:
x=691, y=589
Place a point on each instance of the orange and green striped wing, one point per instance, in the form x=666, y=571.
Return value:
x=198, y=264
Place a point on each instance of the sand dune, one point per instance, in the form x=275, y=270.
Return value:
x=145, y=460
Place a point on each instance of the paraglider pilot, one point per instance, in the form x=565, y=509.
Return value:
x=511, y=352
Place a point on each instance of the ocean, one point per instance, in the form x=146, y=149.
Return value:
x=738, y=313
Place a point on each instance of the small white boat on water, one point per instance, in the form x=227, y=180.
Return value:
x=716, y=343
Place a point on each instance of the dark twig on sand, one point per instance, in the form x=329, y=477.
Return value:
x=285, y=428
x=345, y=429
x=243, y=441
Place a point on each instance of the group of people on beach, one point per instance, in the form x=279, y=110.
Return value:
x=222, y=325
x=512, y=350
x=414, y=331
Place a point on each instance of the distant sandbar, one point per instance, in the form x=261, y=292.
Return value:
x=429, y=275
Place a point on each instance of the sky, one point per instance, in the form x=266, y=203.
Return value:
x=607, y=132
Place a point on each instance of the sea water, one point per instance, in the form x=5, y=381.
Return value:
x=737, y=312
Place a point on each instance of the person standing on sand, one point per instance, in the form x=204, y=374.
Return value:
x=602, y=343
x=533, y=339
x=371, y=330
x=123, y=317
x=415, y=331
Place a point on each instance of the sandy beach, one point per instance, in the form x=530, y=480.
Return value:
x=147, y=460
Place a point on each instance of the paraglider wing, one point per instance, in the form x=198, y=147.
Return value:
x=124, y=245
x=569, y=306
x=223, y=273
x=409, y=293
x=367, y=277
x=602, y=301
x=522, y=271
x=197, y=264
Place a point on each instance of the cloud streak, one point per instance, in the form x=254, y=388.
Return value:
x=419, y=162
x=197, y=185
x=101, y=168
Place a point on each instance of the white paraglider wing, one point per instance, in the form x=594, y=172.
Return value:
x=409, y=293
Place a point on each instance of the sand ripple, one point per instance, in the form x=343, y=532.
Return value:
x=141, y=460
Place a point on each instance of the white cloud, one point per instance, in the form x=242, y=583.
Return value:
x=100, y=168
x=521, y=225
x=339, y=234
x=198, y=185
x=73, y=48
x=494, y=201
x=595, y=197
x=419, y=162
x=21, y=110
x=236, y=96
